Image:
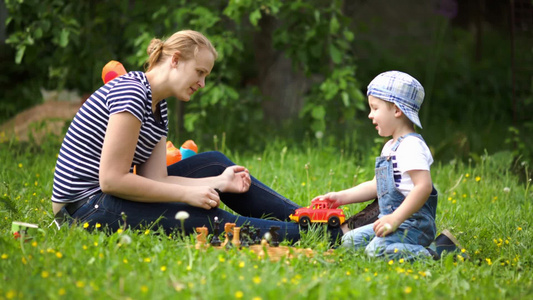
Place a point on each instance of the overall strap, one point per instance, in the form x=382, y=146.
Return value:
x=397, y=144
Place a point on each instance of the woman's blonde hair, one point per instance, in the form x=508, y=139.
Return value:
x=188, y=42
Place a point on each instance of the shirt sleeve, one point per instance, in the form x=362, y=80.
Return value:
x=413, y=154
x=127, y=96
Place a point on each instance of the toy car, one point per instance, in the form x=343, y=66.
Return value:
x=320, y=211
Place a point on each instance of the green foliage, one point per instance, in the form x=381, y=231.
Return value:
x=146, y=264
x=469, y=102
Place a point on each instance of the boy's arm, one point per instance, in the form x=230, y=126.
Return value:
x=412, y=203
x=360, y=193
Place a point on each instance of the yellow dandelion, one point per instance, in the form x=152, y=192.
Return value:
x=189, y=268
x=98, y=225
x=20, y=165
x=408, y=289
x=119, y=231
x=125, y=260
x=96, y=244
x=45, y=274
x=24, y=261
x=467, y=175
x=4, y=256
x=396, y=250
x=368, y=278
x=489, y=262
x=147, y=259
x=391, y=262
x=348, y=273
x=221, y=259
x=257, y=280
x=163, y=268
x=303, y=183
x=241, y=264
x=59, y=255
x=84, y=247
x=147, y=231
x=85, y=225
x=239, y=294
x=257, y=298
x=519, y=228
x=11, y=294
x=80, y=284
x=478, y=178
x=144, y=288
x=62, y=292
x=463, y=250
x=401, y=260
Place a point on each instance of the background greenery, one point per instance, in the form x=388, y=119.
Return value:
x=296, y=69
x=286, y=99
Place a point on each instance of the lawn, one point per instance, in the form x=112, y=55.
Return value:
x=486, y=206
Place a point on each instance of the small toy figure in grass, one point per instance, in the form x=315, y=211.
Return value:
x=274, y=242
x=215, y=241
x=201, y=238
x=228, y=229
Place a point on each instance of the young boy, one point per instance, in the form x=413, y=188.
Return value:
x=402, y=183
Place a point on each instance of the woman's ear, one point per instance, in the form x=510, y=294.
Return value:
x=175, y=58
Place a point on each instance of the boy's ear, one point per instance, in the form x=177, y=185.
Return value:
x=397, y=111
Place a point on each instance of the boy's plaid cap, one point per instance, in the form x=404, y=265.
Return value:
x=401, y=89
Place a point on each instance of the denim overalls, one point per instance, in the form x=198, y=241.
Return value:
x=413, y=235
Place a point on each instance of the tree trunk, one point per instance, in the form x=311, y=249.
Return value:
x=282, y=86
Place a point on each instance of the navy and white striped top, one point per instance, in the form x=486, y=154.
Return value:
x=78, y=163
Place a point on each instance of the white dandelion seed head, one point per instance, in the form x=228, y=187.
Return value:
x=182, y=215
x=125, y=239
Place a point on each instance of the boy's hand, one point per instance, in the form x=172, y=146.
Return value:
x=335, y=196
x=386, y=225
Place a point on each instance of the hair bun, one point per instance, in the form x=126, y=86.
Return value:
x=155, y=45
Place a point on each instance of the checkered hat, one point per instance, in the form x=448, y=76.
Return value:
x=401, y=89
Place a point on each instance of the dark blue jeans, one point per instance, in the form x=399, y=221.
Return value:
x=260, y=206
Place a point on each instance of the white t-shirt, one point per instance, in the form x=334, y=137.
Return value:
x=412, y=154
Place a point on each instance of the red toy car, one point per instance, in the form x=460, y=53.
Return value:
x=320, y=211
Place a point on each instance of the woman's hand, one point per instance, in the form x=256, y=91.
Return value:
x=202, y=196
x=235, y=179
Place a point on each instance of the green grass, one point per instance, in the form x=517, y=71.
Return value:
x=485, y=206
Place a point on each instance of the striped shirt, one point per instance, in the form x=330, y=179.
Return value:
x=78, y=163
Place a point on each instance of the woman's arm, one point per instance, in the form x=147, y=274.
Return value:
x=235, y=179
x=117, y=153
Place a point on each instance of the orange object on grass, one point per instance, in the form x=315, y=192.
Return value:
x=191, y=145
x=112, y=70
x=173, y=154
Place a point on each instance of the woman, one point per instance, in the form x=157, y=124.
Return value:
x=124, y=124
